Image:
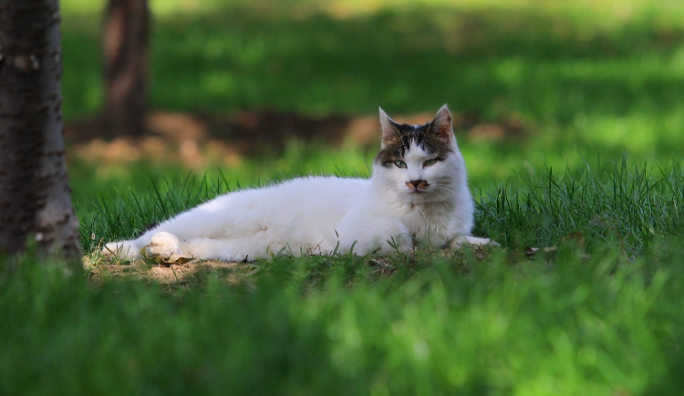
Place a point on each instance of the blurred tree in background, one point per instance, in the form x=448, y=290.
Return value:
x=35, y=198
x=126, y=37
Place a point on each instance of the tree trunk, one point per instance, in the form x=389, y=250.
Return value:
x=35, y=198
x=125, y=52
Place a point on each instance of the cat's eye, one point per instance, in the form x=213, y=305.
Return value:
x=400, y=164
x=429, y=162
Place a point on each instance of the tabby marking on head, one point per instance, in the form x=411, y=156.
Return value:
x=433, y=138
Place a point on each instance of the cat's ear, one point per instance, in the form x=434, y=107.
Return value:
x=441, y=125
x=389, y=129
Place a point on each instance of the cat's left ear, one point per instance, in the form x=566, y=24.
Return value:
x=389, y=129
x=441, y=124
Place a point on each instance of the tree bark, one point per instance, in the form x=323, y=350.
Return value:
x=126, y=34
x=35, y=198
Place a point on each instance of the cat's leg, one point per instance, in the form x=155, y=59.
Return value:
x=368, y=235
x=222, y=217
x=133, y=249
x=401, y=241
x=162, y=243
x=460, y=240
x=165, y=244
x=167, y=238
x=123, y=249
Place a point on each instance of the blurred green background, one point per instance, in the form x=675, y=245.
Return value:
x=548, y=83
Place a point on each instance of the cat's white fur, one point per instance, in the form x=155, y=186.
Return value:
x=317, y=215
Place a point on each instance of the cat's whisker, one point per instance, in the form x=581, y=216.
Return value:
x=449, y=190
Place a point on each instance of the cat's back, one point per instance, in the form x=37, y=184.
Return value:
x=315, y=195
x=303, y=208
x=317, y=192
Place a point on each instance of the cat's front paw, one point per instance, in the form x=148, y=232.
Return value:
x=400, y=243
x=471, y=240
x=122, y=249
x=404, y=244
x=164, y=244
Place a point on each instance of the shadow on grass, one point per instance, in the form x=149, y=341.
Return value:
x=490, y=62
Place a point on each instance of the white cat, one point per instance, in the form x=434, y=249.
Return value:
x=417, y=194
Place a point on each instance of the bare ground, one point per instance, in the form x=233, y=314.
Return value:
x=178, y=273
x=196, y=140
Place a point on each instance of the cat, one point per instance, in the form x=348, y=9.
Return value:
x=417, y=194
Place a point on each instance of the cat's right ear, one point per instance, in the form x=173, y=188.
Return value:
x=389, y=129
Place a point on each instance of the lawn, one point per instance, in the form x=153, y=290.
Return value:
x=584, y=190
x=577, y=79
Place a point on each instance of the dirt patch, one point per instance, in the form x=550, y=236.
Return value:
x=173, y=274
x=197, y=140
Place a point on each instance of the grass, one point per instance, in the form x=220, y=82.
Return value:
x=600, y=313
x=583, y=78
x=235, y=59
x=613, y=201
x=598, y=179
x=502, y=325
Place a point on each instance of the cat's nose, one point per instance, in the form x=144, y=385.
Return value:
x=419, y=184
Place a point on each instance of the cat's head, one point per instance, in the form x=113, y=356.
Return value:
x=419, y=163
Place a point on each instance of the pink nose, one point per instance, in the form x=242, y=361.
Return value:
x=417, y=184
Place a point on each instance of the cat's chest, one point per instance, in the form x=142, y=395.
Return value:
x=427, y=221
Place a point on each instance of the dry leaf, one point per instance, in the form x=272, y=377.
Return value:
x=178, y=259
